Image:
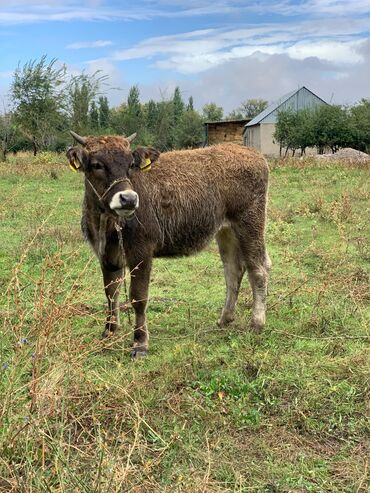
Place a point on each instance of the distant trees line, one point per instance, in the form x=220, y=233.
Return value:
x=324, y=127
x=45, y=102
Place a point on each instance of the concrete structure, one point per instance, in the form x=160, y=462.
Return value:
x=259, y=132
x=224, y=131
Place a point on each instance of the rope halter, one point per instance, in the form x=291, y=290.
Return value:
x=101, y=197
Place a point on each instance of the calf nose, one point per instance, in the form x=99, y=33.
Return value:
x=128, y=199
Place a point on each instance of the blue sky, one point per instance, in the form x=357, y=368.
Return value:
x=221, y=51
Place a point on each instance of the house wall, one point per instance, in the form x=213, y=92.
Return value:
x=268, y=146
x=252, y=137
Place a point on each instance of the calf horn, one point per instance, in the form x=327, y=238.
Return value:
x=78, y=138
x=131, y=137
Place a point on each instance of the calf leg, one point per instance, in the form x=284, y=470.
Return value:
x=112, y=284
x=234, y=268
x=252, y=245
x=258, y=277
x=139, y=289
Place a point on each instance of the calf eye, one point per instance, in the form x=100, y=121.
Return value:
x=98, y=166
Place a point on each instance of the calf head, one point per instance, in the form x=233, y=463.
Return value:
x=109, y=168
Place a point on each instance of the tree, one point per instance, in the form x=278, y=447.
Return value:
x=178, y=106
x=117, y=118
x=252, y=107
x=151, y=115
x=190, y=105
x=285, y=130
x=330, y=127
x=82, y=91
x=190, y=131
x=303, y=130
x=164, y=130
x=133, y=117
x=104, y=112
x=322, y=126
x=6, y=134
x=94, y=116
x=212, y=112
x=38, y=96
x=235, y=115
x=359, y=121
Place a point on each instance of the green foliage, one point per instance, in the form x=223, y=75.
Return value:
x=285, y=129
x=330, y=125
x=151, y=112
x=38, y=93
x=94, y=116
x=252, y=107
x=294, y=130
x=325, y=126
x=104, y=121
x=235, y=115
x=190, y=105
x=133, y=116
x=190, y=131
x=212, y=112
x=360, y=125
x=83, y=91
x=178, y=106
x=117, y=118
x=7, y=134
x=164, y=132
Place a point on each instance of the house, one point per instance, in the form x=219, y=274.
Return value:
x=259, y=132
x=224, y=131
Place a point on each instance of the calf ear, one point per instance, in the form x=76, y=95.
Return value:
x=78, y=158
x=144, y=157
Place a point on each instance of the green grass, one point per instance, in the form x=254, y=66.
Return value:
x=209, y=410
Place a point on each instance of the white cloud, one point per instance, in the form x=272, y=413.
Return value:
x=333, y=51
x=272, y=76
x=335, y=41
x=268, y=76
x=13, y=11
x=89, y=44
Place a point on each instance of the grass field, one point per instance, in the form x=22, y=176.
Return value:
x=209, y=410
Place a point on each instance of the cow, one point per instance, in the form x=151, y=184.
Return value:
x=140, y=204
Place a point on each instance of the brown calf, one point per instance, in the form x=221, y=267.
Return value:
x=176, y=208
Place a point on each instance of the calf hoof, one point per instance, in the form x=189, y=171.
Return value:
x=257, y=324
x=138, y=352
x=225, y=320
x=108, y=333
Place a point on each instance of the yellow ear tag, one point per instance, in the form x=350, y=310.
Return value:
x=74, y=165
x=146, y=165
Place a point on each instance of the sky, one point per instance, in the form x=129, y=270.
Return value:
x=224, y=51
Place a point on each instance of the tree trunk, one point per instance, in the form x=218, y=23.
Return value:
x=3, y=151
x=34, y=145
